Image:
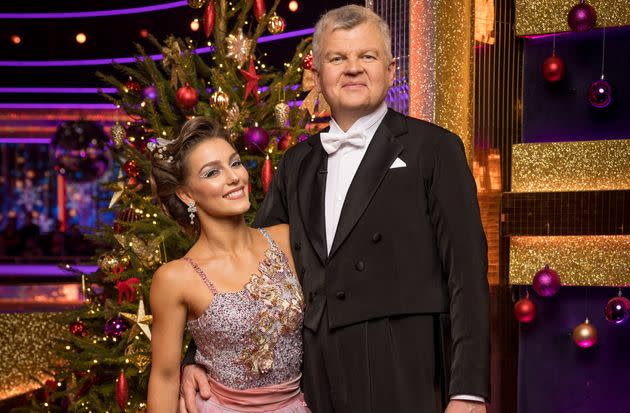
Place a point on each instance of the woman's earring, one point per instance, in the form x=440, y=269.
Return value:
x=192, y=210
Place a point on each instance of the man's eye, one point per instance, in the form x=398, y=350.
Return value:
x=369, y=57
x=335, y=59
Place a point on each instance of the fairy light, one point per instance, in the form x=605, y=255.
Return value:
x=194, y=25
x=294, y=6
x=81, y=38
x=15, y=39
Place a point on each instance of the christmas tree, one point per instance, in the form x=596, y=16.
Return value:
x=103, y=361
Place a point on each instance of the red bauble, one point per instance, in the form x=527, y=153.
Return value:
x=284, y=142
x=187, y=97
x=208, y=19
x=307, y=61
x=122, y=391
x=266, y=174
x=259, y=9
x=525, y=310
x=133, y=86
x=50, y=386
x=131, y=169
x=553, y=69
x=78, y=328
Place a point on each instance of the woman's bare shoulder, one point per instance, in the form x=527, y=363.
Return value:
x=173, y=274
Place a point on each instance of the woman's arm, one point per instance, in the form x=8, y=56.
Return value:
x=169, y=318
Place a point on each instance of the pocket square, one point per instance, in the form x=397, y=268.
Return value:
x=398, y=163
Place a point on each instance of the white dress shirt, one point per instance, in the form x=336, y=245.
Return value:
x=342, y=166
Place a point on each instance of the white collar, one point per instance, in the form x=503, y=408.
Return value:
x=364, y=123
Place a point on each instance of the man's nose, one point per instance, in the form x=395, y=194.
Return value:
x=353, y=66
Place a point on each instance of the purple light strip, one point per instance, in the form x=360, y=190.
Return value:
x=72, y=90
x=123, y=60
x=104, y=106
x=26, y=141
x=100, y=13
x=26, y=270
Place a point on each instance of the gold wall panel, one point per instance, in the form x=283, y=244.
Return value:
x=598, y=260
x=571, y=166
x=550, y=16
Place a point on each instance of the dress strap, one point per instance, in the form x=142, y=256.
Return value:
x=272, y=243
x=202, y=274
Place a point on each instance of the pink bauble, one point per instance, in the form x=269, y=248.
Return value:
x=256, y=139
x=585, y=335
x=617, y=310
x=525, y=310
x=546, y=282
x=553, y=69
x=600, y=94
x=582, y=17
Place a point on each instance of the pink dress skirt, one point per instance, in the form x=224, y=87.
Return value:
x=279, y=398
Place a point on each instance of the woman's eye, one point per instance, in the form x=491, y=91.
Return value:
x=237, y=163
x=211, y=173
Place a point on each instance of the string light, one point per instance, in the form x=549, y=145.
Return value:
x=294, y=6
x=16, y=39
x=81, y=38
x=194, y=25
x=144, y=33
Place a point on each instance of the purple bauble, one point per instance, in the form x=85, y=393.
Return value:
x=546, y=282
x=600, y=94
x=617, y=310
x=150, y=92
x=256, y=139
x=302, y=137
x=582, y=17
x=114, y=327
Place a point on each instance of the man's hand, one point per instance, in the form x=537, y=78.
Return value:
x=465, y=406
x=194, y=380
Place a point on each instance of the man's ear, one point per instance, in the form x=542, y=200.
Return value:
x=183, y=194
x=391, y=72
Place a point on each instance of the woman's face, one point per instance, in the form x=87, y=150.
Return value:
x=217, y=180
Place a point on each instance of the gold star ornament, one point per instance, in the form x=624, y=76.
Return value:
x=142, y=320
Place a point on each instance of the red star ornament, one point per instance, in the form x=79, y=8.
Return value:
x=252, y=81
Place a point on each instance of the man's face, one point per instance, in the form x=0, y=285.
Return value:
x=354, y=73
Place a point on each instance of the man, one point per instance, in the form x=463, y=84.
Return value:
x=387, y=240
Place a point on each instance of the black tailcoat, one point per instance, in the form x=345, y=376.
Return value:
x=405, y=276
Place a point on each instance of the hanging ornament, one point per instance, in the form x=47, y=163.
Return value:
x=114, y=327
x=187, y=97
x=122, y=391
x=553, y=67
x=259, y=9
x=111, y=264
x=256, y=139
x=582, y=17
x=147, y=252
x=131, y=168
x=251, y=87
x=284, y=142
x=127, y=289
x=266, y=174
x=220, y=100
x=141, y=319
x=617, y=309
x=525, y=309
x=208, y=19
x=600, y=94
x=150, y=92
x=78, y=328
x=276, y=24
x=238, y=47
x=196, y=4
x=307, y=61
x=132, y=86
x=585, y=334
x=281, y=112
x=118, y=134
x=123, y=218
x=546, y=282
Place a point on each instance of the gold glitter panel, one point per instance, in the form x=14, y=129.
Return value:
x=550, y=16
x=26, y=343
x=571, y=166
x=579, y=260
x=422, y=60
x=454, y=94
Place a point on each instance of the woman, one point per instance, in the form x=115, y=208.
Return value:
x=235, y=289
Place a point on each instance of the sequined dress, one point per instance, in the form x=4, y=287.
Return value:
x=250, y=341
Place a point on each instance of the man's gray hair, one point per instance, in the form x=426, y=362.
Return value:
x=346, y=18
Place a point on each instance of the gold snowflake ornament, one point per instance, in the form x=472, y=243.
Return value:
x=238, y=47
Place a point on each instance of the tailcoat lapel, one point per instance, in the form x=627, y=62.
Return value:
x=383, y=150
x=311, y=195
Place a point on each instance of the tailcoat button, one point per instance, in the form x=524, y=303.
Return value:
x=360, y=266
x=341, y=295
x=376, y=237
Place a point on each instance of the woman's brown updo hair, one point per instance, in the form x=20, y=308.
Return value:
x=169, y=174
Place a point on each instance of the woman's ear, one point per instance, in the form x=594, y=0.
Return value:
x=183, y=194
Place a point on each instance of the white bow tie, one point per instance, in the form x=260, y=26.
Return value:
x=333, y=141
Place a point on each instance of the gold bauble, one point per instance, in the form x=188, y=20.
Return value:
x=281, y=112
x=276, y=24
x=118, y=134
x=220, y=100
x=111, y=264
x=196, y=4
